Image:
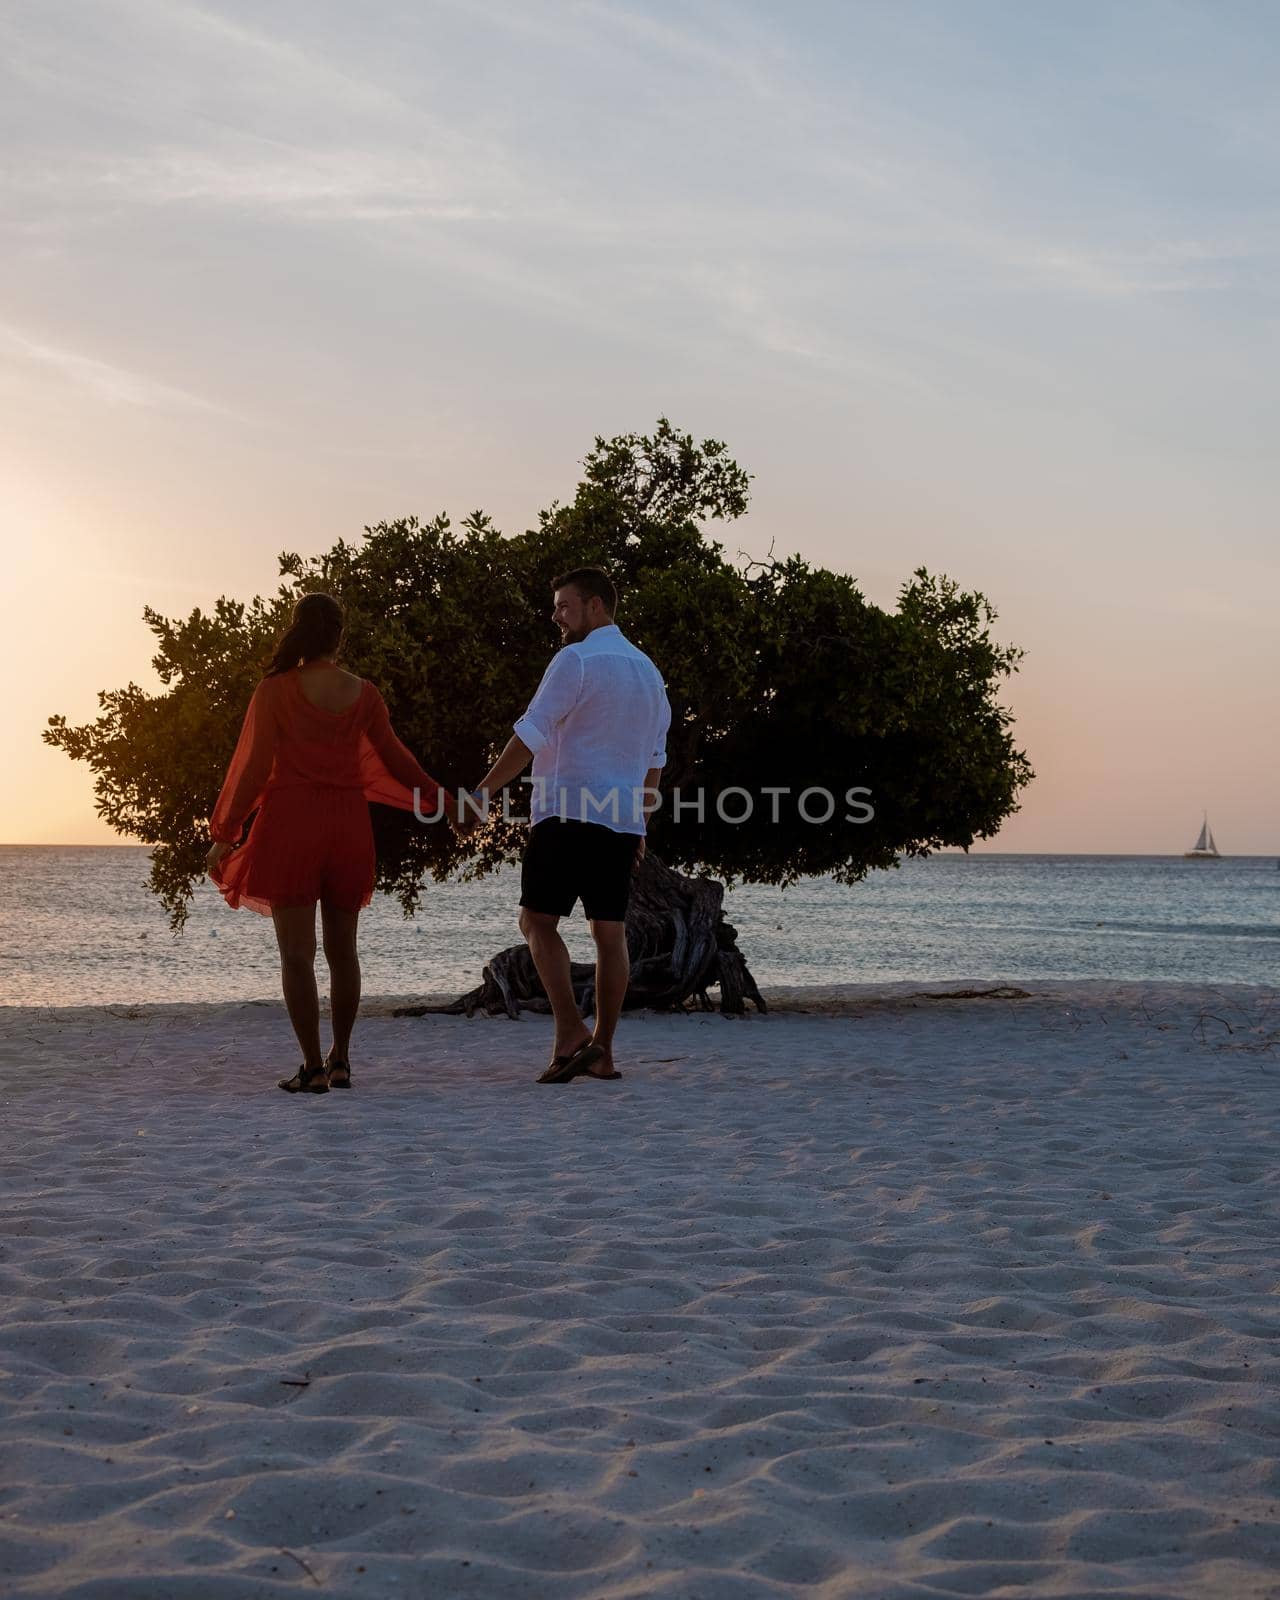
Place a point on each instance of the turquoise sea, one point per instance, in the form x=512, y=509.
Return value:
x=78, y=927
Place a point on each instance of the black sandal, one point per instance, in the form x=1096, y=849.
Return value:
x=338, y=1066
x=310, y=1080
x=557, y=1064
x=565, y=1068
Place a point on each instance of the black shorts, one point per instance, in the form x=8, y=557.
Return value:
x=565, y=859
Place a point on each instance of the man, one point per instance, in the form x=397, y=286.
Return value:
x=596, y=733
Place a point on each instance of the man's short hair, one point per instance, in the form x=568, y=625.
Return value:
x=589, y=581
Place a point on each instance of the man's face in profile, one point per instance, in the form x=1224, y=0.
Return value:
x=570, y=615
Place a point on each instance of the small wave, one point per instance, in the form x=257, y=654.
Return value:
x=1193, y=930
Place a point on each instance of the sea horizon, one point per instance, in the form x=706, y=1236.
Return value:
x=949, y=850
x=78, y=926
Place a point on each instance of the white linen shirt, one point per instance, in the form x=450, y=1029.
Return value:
x=596, y=725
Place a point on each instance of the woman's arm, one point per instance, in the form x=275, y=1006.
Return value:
x=400, y=763
x=249, y=770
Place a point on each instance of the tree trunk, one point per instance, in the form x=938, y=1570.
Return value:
x=680, y=946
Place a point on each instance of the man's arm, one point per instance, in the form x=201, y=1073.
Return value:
x=657, y=761
x=651, y=798
x=555, y=698
x=510, y=764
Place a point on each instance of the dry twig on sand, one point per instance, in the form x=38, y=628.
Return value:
x=301, y=1563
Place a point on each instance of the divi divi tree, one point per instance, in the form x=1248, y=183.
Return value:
x=812, y=732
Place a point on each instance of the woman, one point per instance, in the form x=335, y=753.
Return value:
x=316, y=746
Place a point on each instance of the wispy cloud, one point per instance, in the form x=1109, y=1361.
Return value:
x=750, y=65
x=243, y=118
x=304, y=184
x=759, y=167
x=116, y=385
x=758, y=313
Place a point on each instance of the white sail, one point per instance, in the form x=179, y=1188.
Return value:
x=1204, y=848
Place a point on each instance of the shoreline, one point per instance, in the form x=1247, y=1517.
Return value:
x=816, y=999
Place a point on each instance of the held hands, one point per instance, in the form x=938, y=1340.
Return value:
x=467, y=817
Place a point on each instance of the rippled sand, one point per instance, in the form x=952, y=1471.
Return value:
x=902, y=1298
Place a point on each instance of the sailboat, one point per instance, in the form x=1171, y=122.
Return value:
x=1204, y=848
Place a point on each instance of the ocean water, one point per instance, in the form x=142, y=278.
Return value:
x=78, y=927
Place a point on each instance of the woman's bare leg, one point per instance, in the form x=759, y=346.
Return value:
x=296, y=936
x=344, y=974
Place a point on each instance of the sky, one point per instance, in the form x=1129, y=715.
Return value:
x=985, y=287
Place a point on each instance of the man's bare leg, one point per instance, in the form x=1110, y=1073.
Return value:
x=613, y=973
x=551, y=957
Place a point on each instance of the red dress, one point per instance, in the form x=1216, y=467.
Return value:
x=310, y=774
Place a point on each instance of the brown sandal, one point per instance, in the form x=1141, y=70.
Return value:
x=555, y=1067
x=308, y=1080
x=343, y=1067
x=565, y=1068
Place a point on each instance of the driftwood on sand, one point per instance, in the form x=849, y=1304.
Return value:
x=680, y=946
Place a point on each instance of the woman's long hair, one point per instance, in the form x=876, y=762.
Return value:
x=316, y=630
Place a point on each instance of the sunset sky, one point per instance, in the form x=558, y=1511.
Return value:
x=987, y=287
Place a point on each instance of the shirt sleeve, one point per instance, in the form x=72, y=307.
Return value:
x=393, y=774
x=250, y=767
x=556, y=696
x=659, y=756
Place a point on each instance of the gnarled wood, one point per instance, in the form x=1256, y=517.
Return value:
x=680, y=946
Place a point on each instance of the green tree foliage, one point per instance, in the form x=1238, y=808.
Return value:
x=780, y=674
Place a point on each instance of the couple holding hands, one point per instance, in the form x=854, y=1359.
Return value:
x=317, y=746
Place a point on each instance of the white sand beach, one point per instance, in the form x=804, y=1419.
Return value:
x=875, y=1296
